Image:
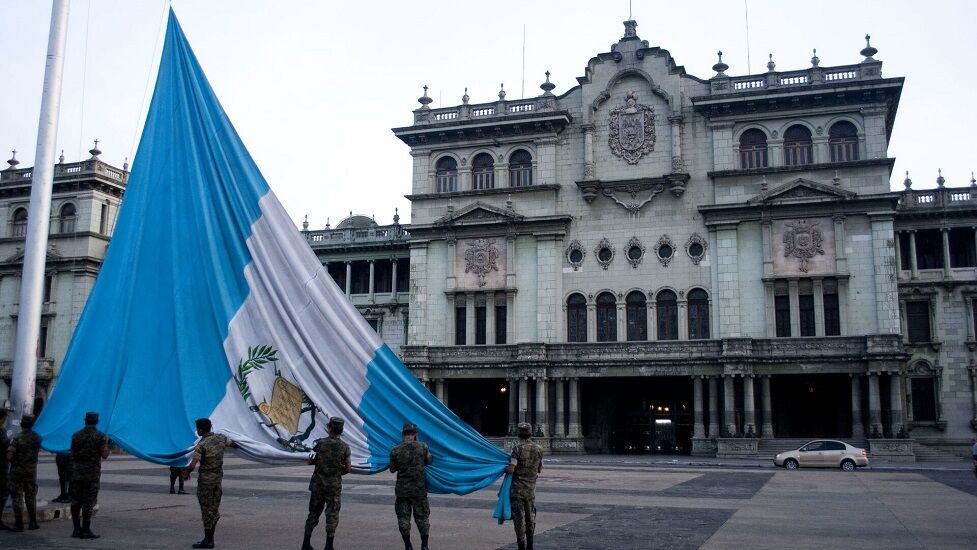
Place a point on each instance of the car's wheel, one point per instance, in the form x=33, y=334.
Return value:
x=848, y=465
x=791, y=464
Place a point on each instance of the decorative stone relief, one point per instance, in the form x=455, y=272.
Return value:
x=479, y=263
x=604, y=253
x=634, y=251
x=803, y=240
x=575, y=254
x=665, y=250
x=480, y=258
x=696, y=248
x=632, y=130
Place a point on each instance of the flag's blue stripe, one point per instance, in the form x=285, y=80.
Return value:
x=147, y=352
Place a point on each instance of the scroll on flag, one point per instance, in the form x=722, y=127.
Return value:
x=211, y=304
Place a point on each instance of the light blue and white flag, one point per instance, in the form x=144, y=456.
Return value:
x=211, y=304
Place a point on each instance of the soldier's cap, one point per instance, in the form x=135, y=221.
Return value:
x=525, y=427
x=203, y=424
x=337, y=421
x=410, y=428
x=27, y=421
x=91, y=418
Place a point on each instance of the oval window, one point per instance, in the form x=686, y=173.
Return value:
x=605, y=254
x=665, y=251
x=695, y=249
x=634, y=253
x=576, y=256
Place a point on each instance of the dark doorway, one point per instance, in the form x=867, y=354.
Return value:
x=811, y=405
x=646, y=415
x=481, y=402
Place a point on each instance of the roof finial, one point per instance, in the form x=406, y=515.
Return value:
x=973, y=181
x=868, y=51
x=940, y=180
x=396, y=217
x=465, y=98
x=815, y=60
x=547, y=86
x=907, y=182
x=13, y=162
x=836, y=179
x=61, y=158
x=630, y=30
x=763, y=183
x=720, y=67
x=327, y=222
x=95, y=151
x=770, y=64
x=305, y=223
x=501, y=92
x=424, y=100
x=508, y=201
x=125, y=165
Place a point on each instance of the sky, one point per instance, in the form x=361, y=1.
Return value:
x=314, y=87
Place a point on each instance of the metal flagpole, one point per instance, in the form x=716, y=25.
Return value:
x=38, y=220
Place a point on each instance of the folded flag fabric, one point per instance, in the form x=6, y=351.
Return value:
x=211, y=304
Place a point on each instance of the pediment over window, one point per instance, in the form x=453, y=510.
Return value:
x=53, y=255
x=802, y=190
x=479, y=213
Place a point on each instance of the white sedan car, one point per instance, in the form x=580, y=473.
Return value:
x=823, y=453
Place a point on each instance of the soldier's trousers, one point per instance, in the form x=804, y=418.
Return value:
x=84, y=495
x=209, y=496
x=321, y=500
x=23, y=495
x=523, y=516
x=422, y=512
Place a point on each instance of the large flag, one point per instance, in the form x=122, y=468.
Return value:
x=211, y=304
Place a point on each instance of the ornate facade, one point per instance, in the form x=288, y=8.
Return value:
x=770, y=306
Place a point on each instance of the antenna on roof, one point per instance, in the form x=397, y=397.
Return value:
x=746, y=9
x=630, y=15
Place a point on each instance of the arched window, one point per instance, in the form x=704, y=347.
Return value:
x=698, y=314
x=483, y=172
x=667, y=306
x=520, y=169
x=753, y=149
x=447, y=174
x=606, y=317
x=843, y=141
x=797, y=146
x=576, y=318
x=18, y=228
x=637, y=316
x=66, y=219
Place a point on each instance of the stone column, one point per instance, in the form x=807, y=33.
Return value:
x=510, y=317
x=523, y=400
x=841, y=257
x=652, y=319
x=393, y=278
x=818, y=307
x=749, y=406
x=490, y=318
x=913, y=265
x=372, y=297
x=895, y=397
x=559, y=426
x=857, y=428
x=574, y=427
x=513, y=405
x=767, y=429
x=349, y=277
x=542, y=422
x=622, y=327
x=713, y=408
x=470, y=319
x=676, y=122
x=795, y=309
x=439, y=389
x=683, y=319
x=590, y=168
x=729, y=405
x=699, y=428
x=450, y=324
x=874, y=405
x=946, y=252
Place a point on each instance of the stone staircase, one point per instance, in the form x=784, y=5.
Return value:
x=768, y=448
x=926, y=453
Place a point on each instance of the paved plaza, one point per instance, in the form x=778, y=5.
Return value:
x=584, y=502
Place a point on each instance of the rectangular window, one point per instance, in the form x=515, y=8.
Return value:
x=374, y=324
x=382, y=271
x=447, y=183
x=781, y=305
x=360, y=278
x=42, y=341
x=576, y=323
x=924, y=399
x=918, y=321
x=832, y=315
x=929, y=249
x=103, y=221
x=805, y=303
x=480, y=325
x=337, y=270
x=461, y=328
x=500, y=323
x=962, y=247
x=483, y=180
x=403, y=274
x=48, y=283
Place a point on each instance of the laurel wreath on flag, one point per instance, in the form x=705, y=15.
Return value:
x=257, y=357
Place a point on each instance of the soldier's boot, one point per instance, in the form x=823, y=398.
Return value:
x=407, y=544
x=424, y=542
x=208, y=540
x=3, y=504
x=307, y=541
x=86, y=531
x=18, y=522
x=329, y=543
x=529, y=541
x=76, y=522
x=521, y=545
x=32, y=517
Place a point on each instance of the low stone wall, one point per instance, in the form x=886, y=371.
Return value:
x=736, y=447
x=551, y=445
x=704, y=447
x=891, y=450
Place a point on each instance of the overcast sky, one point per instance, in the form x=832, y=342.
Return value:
x=313, y=87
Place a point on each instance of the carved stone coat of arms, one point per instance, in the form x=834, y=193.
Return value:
x=803, y=240
x=481, y=258
x=632, y=130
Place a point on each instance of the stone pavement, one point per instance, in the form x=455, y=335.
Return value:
x=587, y=502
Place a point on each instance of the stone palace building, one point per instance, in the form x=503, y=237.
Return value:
x=649, y=262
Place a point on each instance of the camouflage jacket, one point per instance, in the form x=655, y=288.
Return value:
x=87, y=445
x=25, y=448
x=527, y=457
x=331, y=455
x=4, y=444
x=210, y=453
x=410, y=459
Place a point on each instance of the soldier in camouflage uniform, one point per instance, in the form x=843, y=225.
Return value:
x=332, y=462
x=209, y=454
x=4, y=443
x=22, y=456
x=525, y=464
x=408, y=461
x=89, y=447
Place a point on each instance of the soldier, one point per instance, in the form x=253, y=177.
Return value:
x=408, y=461
x=63, y=462
x=89, y=447
x=4, y=443
x=209, y=453
x=525, y=463
x=332, y=461
x=22, y=456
